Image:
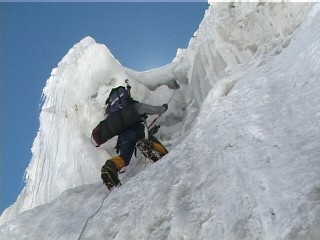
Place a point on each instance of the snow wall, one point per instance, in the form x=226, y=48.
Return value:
x=232, y=41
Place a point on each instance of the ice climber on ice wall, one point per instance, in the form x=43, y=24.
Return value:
x=127, y=118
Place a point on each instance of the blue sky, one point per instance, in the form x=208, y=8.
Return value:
x=35, y=37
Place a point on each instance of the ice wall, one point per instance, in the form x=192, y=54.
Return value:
x=230, y=36
x=62, y=155
x=234, y=35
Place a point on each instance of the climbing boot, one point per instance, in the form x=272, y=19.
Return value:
x=147, y=148
x=109, y=174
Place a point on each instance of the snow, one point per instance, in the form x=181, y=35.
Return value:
x=242, y=133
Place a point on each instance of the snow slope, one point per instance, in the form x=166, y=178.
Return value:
x=242, y=131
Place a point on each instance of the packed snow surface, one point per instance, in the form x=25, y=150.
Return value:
x=242, y=132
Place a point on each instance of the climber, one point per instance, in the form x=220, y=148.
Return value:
x=130, y=131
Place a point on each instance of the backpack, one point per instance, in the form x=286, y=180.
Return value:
x=118, y=99
x=116, y=123
x=121, y=116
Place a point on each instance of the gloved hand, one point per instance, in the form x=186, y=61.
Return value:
x=165, y=106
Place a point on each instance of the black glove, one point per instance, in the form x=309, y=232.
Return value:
x=165, y=106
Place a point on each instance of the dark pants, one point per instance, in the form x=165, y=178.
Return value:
x=127, y=141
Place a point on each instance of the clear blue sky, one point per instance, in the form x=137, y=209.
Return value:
x=35, y=37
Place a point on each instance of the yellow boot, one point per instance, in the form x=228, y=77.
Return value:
x=153, y=151
x=109, y=171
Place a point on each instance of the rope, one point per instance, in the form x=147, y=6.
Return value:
x=88, y=219
x=85, y=225
x=172, y=95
